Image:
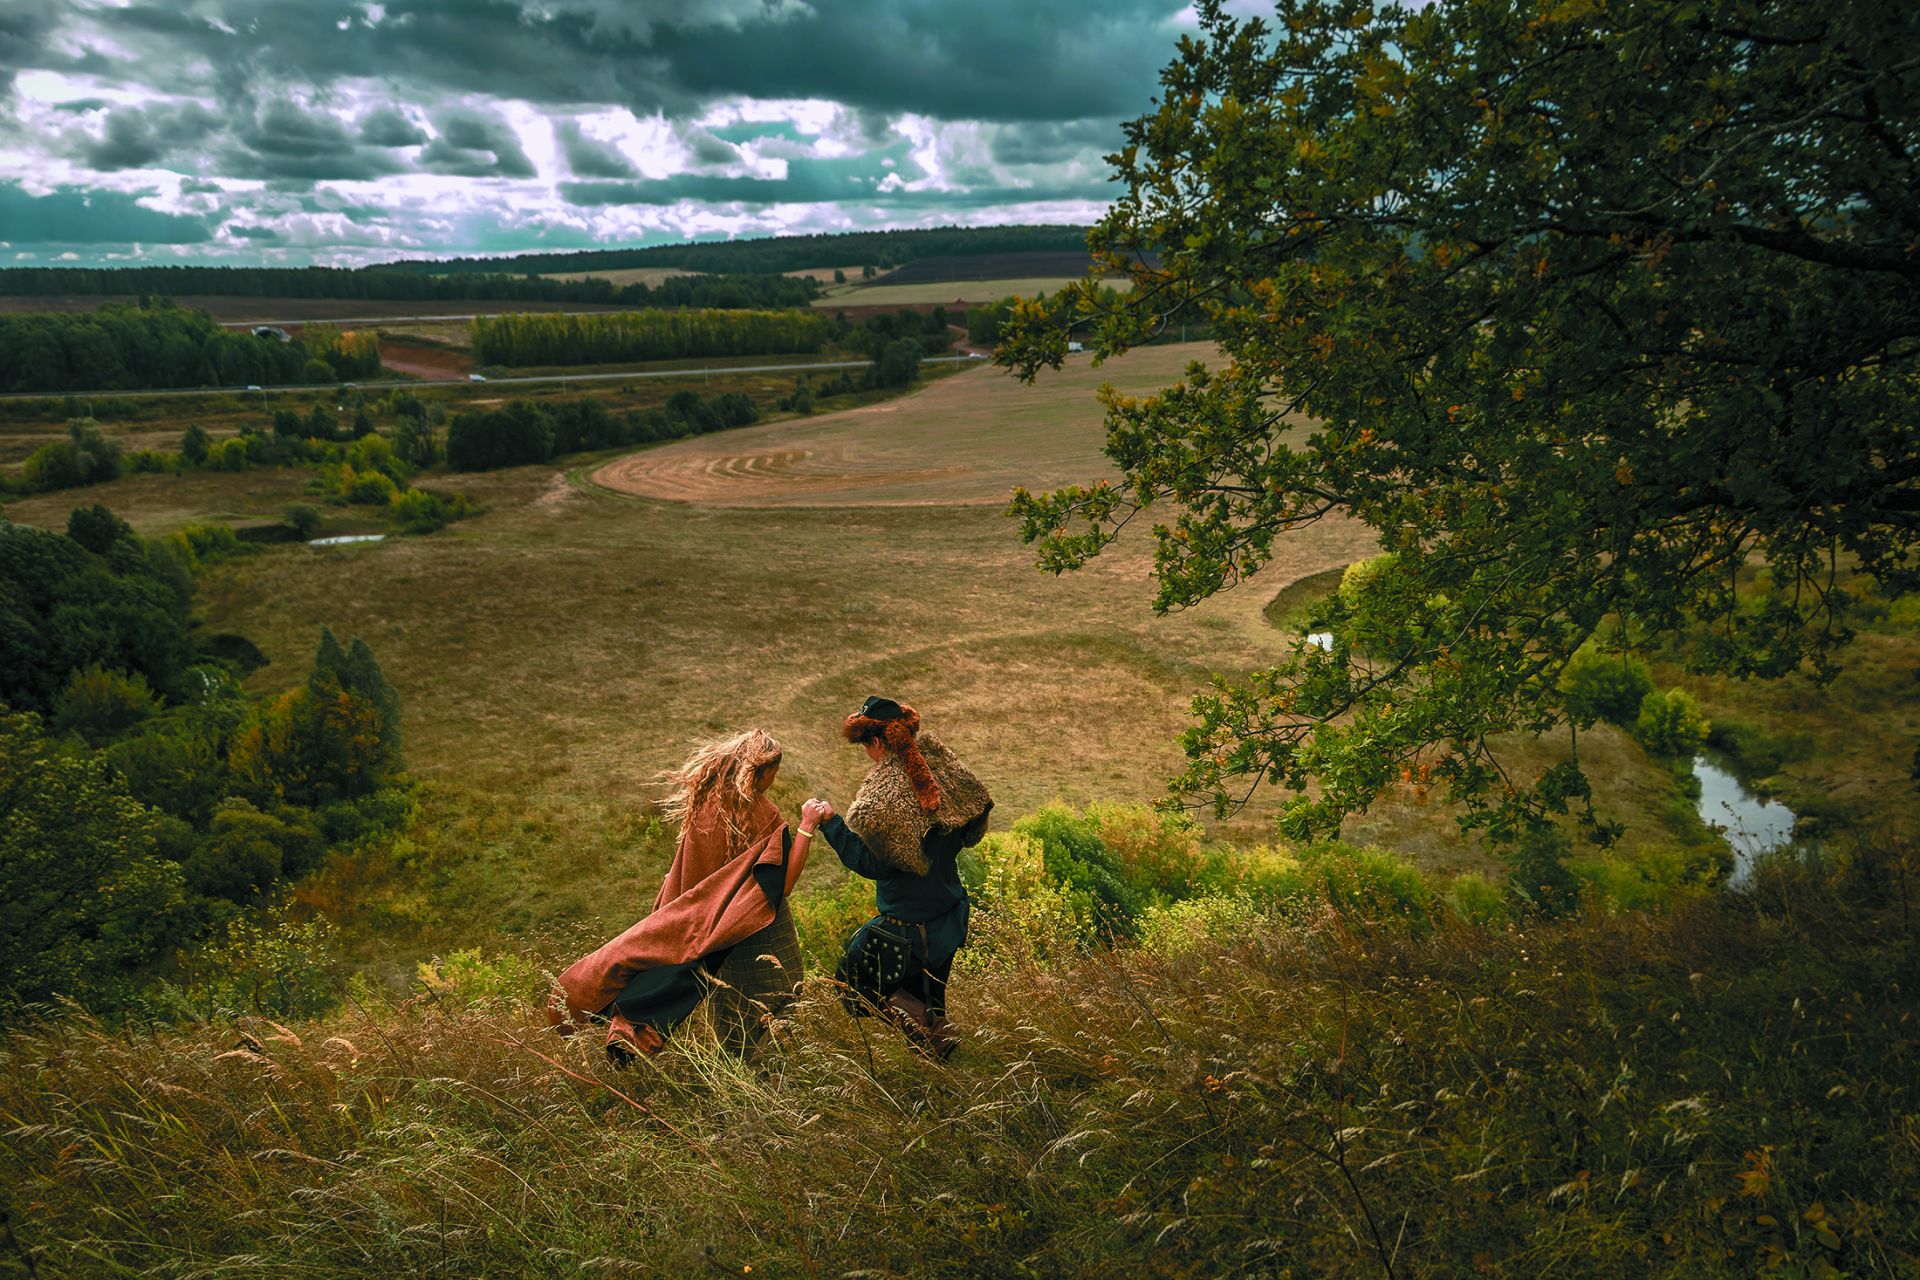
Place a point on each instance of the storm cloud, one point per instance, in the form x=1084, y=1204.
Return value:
x=449, y=126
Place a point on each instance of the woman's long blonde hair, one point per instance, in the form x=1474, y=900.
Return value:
x=725, y=773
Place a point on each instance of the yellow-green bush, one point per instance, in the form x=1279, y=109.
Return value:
x=1172, y=928
x=1021, y=912
x=468, y=978
x=1477, y=900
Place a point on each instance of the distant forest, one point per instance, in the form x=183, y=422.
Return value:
x=548, y=339
x=161, y=345
x=391, y=283
x=781, y=253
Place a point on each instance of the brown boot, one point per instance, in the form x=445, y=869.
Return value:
x=929, y=1033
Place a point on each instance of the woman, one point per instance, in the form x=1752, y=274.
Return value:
x=918, y=807
x=721, y=912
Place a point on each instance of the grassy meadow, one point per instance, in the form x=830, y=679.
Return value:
x=1364, y=1072
x=558, y=651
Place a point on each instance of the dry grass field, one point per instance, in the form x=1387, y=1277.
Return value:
x=556, y=652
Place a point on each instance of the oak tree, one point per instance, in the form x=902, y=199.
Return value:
x=1586, y=306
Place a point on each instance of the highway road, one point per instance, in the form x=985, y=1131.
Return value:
x=633, y=375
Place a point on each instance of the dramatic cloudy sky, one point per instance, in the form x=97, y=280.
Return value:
x=342, y=131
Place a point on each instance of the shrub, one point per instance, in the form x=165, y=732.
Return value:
x=468, y=978
x=1653, y=880
x=97, y=529
x=1025, y=915
x=195, y=444
x=153, y=462
x=1670, y=725
x=84, y=457
x=303, y=519
x=274, y=967
x=1160, y=854
x=101, y=705
x=178, y=769
x=1538, y=875
x=85, y=898
x=230, y=454
x=246, y=851
x=210, y=542
x=1604, y=686
x=1171, y=929
x=370, y=488
x=1477, y=900
x=1080, y=862
x=424, y=511
x=824, y=918
x=1362, y=579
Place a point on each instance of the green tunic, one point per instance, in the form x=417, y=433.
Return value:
x=937, y=900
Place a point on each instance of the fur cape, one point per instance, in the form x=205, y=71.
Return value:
x=888, y=815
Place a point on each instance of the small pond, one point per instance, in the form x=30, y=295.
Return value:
x=345, y=538
x=1752, y=825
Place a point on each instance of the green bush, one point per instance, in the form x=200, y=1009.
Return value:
x=468, y=978
x=1477, y=900
x=1604, y=686
x=1653, y=880
x=1025, y=915
x=303, y=519
x=210, y=543
x=1171, y=929
x=273, y=966
x=230, y=454
x=424, y=511
x=1161, y=855
x=1537, y=873
x=246, y=851
x=84, y=457
x=1670, y=725
x=102, y=705
x=370, y=488
x=1085, y=868
x=86, y=899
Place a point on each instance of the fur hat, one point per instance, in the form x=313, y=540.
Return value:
x=894, y=726
x=891, y=815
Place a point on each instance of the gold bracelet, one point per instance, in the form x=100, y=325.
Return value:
x=808, y=834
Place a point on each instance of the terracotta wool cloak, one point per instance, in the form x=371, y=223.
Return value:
x=724, y=886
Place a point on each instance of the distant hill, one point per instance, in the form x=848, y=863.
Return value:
x=783, y=253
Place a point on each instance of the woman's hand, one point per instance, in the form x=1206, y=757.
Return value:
x=813, y=813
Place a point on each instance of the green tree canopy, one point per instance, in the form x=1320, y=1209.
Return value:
x=1584, y=305
x=85, y=900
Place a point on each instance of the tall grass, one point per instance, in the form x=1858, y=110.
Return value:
x=1731, y=1088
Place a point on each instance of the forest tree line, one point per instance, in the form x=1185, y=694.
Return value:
x=159, y=345
x=548, y=339
x=779, y=253
x=525, y=432
x=395, y=284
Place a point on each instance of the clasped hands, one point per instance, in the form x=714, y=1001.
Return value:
x=813, y=813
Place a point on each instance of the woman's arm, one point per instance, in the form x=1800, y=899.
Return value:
x=852, y=850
